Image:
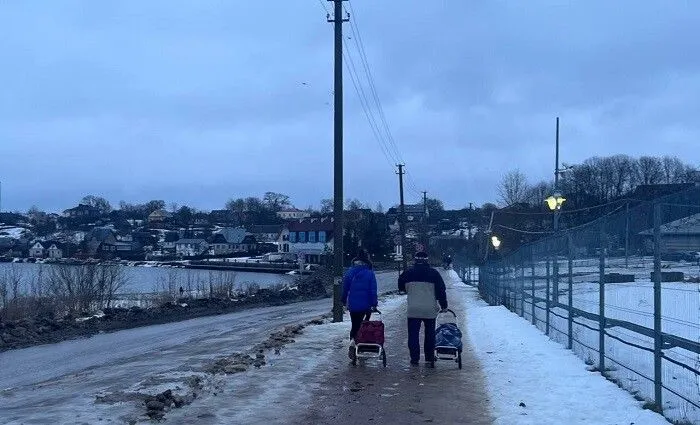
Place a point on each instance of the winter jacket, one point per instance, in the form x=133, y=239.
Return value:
x=425, y=289
x=360, y=287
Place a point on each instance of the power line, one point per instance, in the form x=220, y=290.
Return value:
x=364, y=103
x=379, y=126
x=370, y=79
x=366, y=106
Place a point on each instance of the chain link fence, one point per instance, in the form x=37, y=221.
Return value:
x=623, y=293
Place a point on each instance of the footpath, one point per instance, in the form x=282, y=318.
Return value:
x=512, y=375
x=401, y=393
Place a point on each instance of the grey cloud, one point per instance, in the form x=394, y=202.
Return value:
x=199, y=101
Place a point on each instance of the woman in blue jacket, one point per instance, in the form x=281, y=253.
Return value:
x=359, y=293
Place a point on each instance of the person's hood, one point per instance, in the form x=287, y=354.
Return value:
x=356, y=262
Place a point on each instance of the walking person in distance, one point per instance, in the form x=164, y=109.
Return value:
x=425, y=290
x=359, y=294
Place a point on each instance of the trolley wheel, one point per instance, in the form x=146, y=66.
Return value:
x=459, y=360
x=383, y=357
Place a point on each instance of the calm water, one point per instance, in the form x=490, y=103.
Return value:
x=156, y=279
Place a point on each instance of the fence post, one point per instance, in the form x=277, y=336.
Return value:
x=532, y=304
x=571, y=290
x=658, y=341
x=601, y=301
x=546, y=320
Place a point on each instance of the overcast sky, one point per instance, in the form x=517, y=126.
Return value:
x=200, y=101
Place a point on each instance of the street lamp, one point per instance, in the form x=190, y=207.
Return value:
x=495, y=242
x=555, y=201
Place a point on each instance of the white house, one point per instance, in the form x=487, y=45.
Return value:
x=37, y=250
x=191, y=247
x=55, y=251
x=309, y=237
x=293, y=214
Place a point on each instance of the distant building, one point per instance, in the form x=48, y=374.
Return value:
x=233, y=235
x=293, y=214
x=265, y=233
x=159, y=216
x=415, y=214
x=648, y=192
x=682, y=235
x=51, y=249
x=309, y=237
x=120, y=249
x=82, y=211
x=96, y=237
x=218, y=245
x=38, y=250
x=191, y=247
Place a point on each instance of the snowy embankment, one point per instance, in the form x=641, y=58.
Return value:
x=533, y=380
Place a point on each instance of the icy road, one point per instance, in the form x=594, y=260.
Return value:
x=58, y=383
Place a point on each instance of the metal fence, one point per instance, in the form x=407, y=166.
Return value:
x=623, y=293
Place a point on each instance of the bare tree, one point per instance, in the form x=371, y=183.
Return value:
x=110, y=279
x=275, y=201
x=674, y=171
x=536, y=194
x=513, y=188
x=326, y=206
x=98, y=202
x=353, y=204
x=650, y=170
x=624, y=174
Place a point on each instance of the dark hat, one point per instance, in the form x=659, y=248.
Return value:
x=421, y=256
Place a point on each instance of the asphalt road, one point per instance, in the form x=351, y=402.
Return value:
x=57, y=383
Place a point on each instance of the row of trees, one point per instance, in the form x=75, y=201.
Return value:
x=598, y=179
x=59, y=289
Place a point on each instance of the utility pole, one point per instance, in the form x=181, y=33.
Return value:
x=425, y=221
x=338, y=253
x=402, y=219
x=469, y=243
x=469, y=223
x=556, y=165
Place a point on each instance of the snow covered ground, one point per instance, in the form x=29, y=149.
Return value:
x=633, y=302
x=534, y=380
x=12, y=232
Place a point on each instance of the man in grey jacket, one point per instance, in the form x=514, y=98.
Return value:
x=425, y=289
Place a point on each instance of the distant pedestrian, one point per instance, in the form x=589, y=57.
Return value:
x=182, y=292
x=359, y=294
x=426, y=290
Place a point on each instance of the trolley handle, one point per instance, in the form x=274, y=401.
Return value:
x=447, y=311
x=375, y=310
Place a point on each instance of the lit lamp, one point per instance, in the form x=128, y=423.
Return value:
x=495, y=242
x=554, y=202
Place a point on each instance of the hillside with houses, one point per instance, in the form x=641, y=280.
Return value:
x=269, y=228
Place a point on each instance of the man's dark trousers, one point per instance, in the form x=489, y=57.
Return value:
x=413, y=339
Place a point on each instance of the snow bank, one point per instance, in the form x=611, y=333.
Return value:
x=533, y=380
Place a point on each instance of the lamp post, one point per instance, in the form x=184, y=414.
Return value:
x=554, y=202
x=495, y=242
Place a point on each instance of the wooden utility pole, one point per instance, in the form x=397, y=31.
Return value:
x=402, y=218
x=425, y=221
x=338, y=161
